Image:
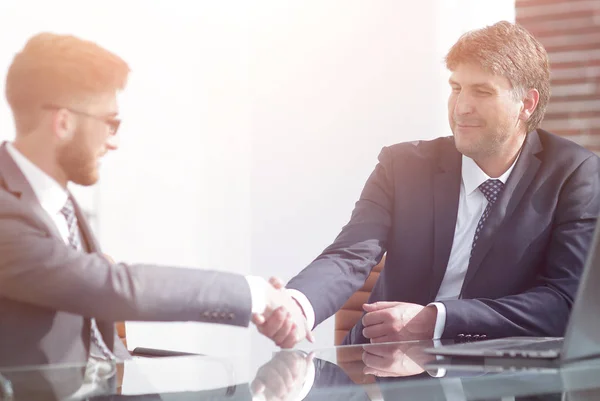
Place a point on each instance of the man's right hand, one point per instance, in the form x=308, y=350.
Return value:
x=283, y=320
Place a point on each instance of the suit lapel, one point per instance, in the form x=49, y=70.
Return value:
x=518, y=182
x=446, y=192
x=16, y=183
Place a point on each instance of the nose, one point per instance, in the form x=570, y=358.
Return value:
x=112, y=142
x=463, y=105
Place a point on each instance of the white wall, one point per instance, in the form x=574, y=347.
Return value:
x=250, y=127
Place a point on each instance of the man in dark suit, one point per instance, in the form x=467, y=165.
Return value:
x=59, y=295
x=486, y=232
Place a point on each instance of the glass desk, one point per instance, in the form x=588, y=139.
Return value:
x=395, y=371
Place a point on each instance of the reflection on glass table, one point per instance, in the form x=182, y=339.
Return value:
x=393, y=371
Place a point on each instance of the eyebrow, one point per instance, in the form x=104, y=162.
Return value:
x=476, y=86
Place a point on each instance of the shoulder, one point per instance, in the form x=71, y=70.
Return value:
x=423, y=151
x=16, y=215
x=563, y=153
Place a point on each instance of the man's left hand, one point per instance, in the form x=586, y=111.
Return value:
x=396, y=360
x=398, y=321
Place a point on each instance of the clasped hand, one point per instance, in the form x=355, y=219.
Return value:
x=283, y=377
x=283, y=320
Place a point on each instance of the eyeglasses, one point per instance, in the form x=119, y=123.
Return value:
x=113, y=123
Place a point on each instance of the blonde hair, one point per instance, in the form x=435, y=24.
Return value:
x=55, y=68
x=508, y=50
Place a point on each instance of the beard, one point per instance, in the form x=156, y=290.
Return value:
x=481, y=144
x=78, y=162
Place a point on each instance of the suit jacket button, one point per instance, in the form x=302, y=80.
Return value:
x=231, y=316
x=206, y=315
x=223, y=315
x=215, y=315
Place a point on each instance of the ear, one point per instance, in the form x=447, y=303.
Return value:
x=63, y=124
x=530, y=102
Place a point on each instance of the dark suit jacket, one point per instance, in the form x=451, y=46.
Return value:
x=48, y=291
x=525, y=270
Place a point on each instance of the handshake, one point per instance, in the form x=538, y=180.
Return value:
x=283, y=320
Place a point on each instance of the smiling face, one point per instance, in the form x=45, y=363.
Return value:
x=484, y=112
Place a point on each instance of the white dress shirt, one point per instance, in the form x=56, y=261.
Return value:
x=52, y=197
x=471, y=205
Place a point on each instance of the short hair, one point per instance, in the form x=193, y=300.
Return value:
x=54, y=68
x=508, y=50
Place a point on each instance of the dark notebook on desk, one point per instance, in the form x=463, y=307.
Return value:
x=582, y=339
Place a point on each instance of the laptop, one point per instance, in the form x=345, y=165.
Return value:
x=582, y=338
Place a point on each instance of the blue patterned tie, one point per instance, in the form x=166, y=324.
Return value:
x=68, y=211
x=491, y=189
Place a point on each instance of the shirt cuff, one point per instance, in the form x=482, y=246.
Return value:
x=439, y=372
x=258, y=293
x=440, y=321
x=309, y=381
x=307, y=309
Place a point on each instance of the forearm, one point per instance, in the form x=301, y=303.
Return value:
x=44, y=273
x=540, y=311
x=332, y=278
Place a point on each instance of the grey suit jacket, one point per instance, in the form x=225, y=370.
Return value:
x=49, y=292
x=522, y=277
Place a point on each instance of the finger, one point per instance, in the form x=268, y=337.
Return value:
x=297, y=366
x=382, y=339
x=273, y=323
x=372, y=361
x=290, y=341
x=284, y=370
x=258, y=319
x=276, y=385
x=284, y=330
x=257, y=386
x=376, y=365
x=309, y=359
x=383, y=350
x=270, y=375
x=379, y=306
x=276, y=282
x=376, y=317
x=309, y=334
x=377, y=330
x=369, y=371
x=378, y=373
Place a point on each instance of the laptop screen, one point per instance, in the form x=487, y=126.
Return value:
x=582, y=339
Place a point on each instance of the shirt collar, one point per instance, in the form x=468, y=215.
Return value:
x=50, y=194
x=473, y=176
